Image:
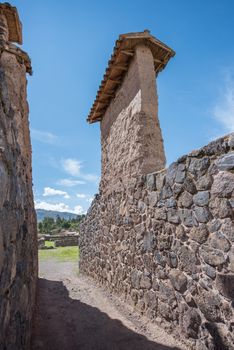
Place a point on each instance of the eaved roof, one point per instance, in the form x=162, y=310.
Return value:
x=13, y=21
x=118, y=66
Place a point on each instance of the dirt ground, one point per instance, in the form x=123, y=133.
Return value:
x=73, y=313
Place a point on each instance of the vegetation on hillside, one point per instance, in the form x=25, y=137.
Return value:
x=51, y=226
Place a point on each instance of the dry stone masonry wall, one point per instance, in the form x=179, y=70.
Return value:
x=166, y=245
x=160, y=238
x=18, y=240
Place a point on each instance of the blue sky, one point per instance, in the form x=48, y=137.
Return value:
x=70, y=43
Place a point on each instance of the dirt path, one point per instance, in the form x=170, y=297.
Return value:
x=73, y=313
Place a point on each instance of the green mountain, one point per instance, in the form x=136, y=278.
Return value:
x=42, y=213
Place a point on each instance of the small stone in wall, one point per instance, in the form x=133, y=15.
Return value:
x=211, y=256
x=160, y=180
x=226, y=162
x=180, y=174
x=153, y=199
x=227, y=229
x=225, y=284
x=166, y=293
x=185, y=200
x=150, y=181
x=199, y=234
x=198, y=167
x=201, y=198
x=187, y=260
x=191, y=322
x=172, y=259
x=178, y=280
x=223, y=185
x=189, y=185
x=148, y=241
x=172, y=216
x=202, y=214
x=135, y=278
x=145, y=282
x=218, y=241
x=160, y=259
x=209, y=304
x=204, y=183
x=187, y=218
x=210, y=271
x=221, y=207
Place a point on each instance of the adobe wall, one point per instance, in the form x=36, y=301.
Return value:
x=130, y=132
x=164, y=242
x=18, y=233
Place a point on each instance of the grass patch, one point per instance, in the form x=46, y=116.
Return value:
x=60, y=254
x=49, y=244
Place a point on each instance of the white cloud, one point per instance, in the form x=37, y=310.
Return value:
x=87, y=197
x=48, y=192
x=43, y=136
x=90, y=177
x=81, y=195
x=224, y=109
x=72, y=166
x=70, y=182
x=78, y=210
x=61, y=207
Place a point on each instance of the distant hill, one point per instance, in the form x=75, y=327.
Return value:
x=42, y=213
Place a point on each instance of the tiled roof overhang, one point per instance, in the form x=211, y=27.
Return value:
x=118, y=66
x=13, y=21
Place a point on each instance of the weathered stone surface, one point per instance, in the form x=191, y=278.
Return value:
x=227, y=229
x=187, y=260
x=209, y=304
x=226, y=162
x=189, y=185
x=218, y=241
x=187, y=218
x=185, y=200
x=151, y=182
x=172, y=216
x=204, y=183
x=191, y=322
x=201, y=198
x=145, y=282
x=199, y=233
x=202, y=214
x=174, y=228
x=18, y=231
x=198, y=167
x=148, y=241
x=211, y=256
x=225, y=284
x=178, y=280
x=153, y=199
x=223, y=185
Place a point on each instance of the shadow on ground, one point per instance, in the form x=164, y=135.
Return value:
x=62, y=323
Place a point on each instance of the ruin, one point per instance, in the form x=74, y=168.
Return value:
x=18, y=232
x=160, y=238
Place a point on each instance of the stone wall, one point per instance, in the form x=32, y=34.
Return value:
x=165, y=244
x=18, y=237
x=130, y=132
x=66, y=241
